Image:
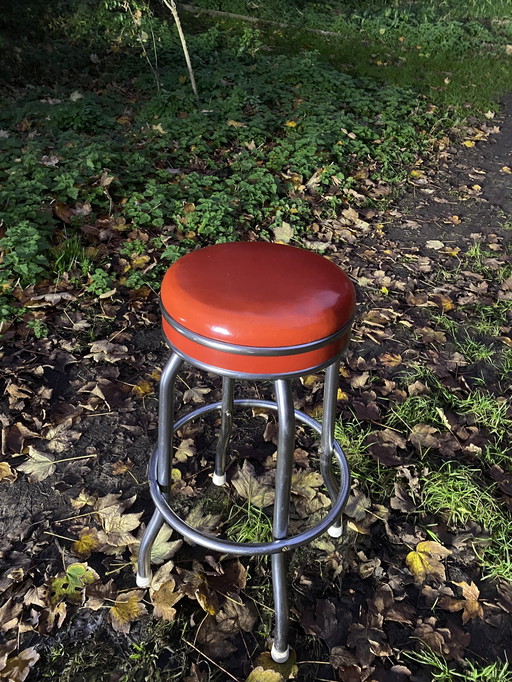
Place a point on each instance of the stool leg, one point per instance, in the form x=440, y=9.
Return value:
x=327, y=441
x=164, y=448
x=285, y=448
x=219, y=475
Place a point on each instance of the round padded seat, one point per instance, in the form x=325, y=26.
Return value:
x=257, y=308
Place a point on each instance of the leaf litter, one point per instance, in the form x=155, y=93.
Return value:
x=73, y=408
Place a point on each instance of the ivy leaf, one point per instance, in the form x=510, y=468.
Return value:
x=127, y=609
x=425, y=561
x=38, y=466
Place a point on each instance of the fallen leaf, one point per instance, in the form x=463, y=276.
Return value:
x=185, y=450
x=6, y=473
x=425, y=561
x=196, y=394
x=258, y=492
x=165, y=595
x=435, y=244
x=469, y=605
x=283, y=233
x=127, y=609
x=236, y=124
x=468, y=143
x=71, y=585
x=87, y=543
x=38, y=466
x=17, y=668
x=260, y=674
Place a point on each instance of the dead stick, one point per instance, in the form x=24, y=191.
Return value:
x=254, y=20
x=170, y=4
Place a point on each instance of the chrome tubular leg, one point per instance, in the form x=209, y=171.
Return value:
x=285, y=447
x=327, y=438
x=219, y=475
x=165, y=438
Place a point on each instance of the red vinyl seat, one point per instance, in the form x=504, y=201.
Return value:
x=270, y=301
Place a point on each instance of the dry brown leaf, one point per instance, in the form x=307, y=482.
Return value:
x=185, y=449
x=17, y=668
x=469, y=605
x=127, y=609
x=425, y=561
x=10, y=614
x=424, y=436
x=164, y=598
x=196, y=394
x=258, y=491
x=38, y=466
x=6, y=473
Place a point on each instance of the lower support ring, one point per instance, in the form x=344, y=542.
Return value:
x=251, y=548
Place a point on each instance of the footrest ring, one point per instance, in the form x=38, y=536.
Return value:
x=251, y=548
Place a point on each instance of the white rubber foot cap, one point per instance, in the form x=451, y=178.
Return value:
x=219, y=480
x=143, y=582
x=280, y=656
x=335, y=531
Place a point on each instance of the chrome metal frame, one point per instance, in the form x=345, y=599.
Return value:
x=161, y=464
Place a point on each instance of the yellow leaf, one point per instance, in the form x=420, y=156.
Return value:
x=86, y=544
x=425, y=561
x=6, y=473
x=235, y=124
x=139, y=262
x=126, y=610
x=468, y=143
x=506, y=169
x=341, y=395
x=415, y=173
x=290, y=124
x=143, y=388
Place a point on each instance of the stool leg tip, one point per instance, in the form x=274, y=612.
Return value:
x=335, y=531
x=280, y=656
x=143, y=582
x=219, y=480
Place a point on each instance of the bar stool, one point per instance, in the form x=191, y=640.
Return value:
x=258, y=311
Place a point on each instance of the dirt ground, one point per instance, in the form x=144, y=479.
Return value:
x=87, y=393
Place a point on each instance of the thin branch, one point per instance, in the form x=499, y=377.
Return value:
x=254, y=20
x=170, y=4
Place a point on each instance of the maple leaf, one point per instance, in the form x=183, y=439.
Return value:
x=287, y=670
x=6, y=473
x=87, y=543
x=17, y=668
x=469, y=605
x=196, y=395
x=71, y=585
x=127, y=609
x=185, y=449
x=257, y=491
x=163, y=593
x=9, y=615
x=260, y=674
x=425, y=561
x=38, y=466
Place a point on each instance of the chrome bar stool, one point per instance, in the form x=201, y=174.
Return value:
x=258, y=311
